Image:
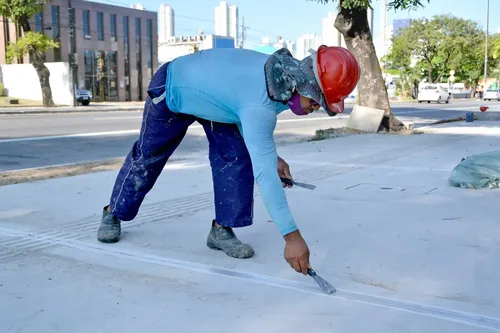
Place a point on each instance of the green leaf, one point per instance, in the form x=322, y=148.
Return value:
x=17, y=10
x=30, y=42
x=495, y=50
x=430, y=48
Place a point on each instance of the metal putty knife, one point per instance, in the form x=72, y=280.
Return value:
x=325, y=286
x=293, y=182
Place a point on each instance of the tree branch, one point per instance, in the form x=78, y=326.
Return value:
x=443, y=69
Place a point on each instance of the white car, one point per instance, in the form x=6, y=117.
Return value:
x=491, y=94
x=433, y=93
x=83, y=96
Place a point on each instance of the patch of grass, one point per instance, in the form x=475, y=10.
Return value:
x=4, y=102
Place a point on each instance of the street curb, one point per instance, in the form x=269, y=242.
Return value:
x=18, y=112
x=122, y=109
x=485, y=116
x=58, y=171
x=13, y=177
x=480, y=116
x=447, y=120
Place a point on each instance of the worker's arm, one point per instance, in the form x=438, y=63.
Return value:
x=257, y=127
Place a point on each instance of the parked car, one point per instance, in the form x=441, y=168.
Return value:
x=491, y=94
x=83, y=96
x=433, y=93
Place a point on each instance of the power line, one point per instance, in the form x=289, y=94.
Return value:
x=81, y=28
x=246, y=27
x=208, y=21
x=242, y=42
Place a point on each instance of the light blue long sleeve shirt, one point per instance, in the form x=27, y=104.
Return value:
x=229, y=86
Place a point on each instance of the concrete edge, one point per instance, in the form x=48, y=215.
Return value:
x=13, y=177
x=492, y=116
x=453, y=99
x=58, y=171
x=18, y=112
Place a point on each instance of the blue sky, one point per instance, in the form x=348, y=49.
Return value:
x=291, y=18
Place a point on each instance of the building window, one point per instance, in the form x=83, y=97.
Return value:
x=56, y=33
x=126, y=57
x=39, y=27
x=112, y=24
x=87, y=62
x=100, y=26
x=138, y=57
x=149, y=42
x=39, y=22
x=101, y=74
x=112, y=76
x=86, y=24
x=100, y=77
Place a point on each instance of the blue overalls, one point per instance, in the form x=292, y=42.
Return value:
x=225, y=90
x=161, y=133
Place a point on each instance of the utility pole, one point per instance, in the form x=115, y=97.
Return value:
x=486, y=45
x=72, y=52
x=242, y=41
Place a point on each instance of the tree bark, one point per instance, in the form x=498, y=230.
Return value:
x=42, y=71
x=43, y=76
x=353, y=24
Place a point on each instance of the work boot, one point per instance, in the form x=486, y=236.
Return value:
x=223, y=238
x=110, y=228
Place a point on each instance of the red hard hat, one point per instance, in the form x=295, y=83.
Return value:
x=337, y=72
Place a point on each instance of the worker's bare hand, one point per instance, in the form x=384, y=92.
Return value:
x=284, y=171
x=297, y=252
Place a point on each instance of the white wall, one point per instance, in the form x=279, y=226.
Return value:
x=21, y=81
x=168, y=53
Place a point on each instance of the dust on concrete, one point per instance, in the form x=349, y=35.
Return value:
x=331, y=133
x=30, y=175
x=387, y=286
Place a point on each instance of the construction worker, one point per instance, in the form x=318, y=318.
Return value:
x=236, y=95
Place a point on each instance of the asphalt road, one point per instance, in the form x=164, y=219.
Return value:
x=32, y=141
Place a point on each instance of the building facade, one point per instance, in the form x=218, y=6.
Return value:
x=166, y=22
x=139, y=6
x=227, y=21
x=175, y=47
x=116, y=48
x=305, y=43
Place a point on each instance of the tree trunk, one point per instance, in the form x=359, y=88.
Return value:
x=353, y=24
x=43, y=76
x=41, y=70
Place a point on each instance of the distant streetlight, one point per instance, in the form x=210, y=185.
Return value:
x=486, y=44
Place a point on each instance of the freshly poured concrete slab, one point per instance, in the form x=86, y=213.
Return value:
x=406, y=252
x=92, y=293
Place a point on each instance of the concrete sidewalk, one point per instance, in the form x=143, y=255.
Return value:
x=93, y=107
x=120, y=106
x=407, y=252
